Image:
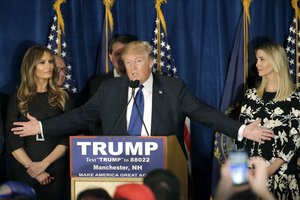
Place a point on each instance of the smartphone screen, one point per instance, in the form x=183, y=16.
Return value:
x=238, y=167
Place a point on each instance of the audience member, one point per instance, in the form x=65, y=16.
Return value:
x=133, y=191
x=164, y=184
x=39, y=161
x=12, y=190
x=257, y=183
x=94, y=194
x=167, y=103
x=277, y=103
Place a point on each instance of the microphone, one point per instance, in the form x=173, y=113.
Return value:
x=133, y=85
x=139, y=112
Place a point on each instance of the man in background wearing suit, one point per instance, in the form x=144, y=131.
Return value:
x=115, y=48
x=62, y=70
x=167, y=102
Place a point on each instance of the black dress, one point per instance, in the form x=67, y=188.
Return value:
x=38, y=150
x=283, y=117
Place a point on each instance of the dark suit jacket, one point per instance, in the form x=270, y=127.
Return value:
x=97, y=80
x=94, y=83
x=172, y=102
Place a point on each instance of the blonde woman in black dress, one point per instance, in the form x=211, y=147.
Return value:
x=36, y=161
x=277, y=103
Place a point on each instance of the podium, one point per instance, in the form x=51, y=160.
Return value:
x=109, y=161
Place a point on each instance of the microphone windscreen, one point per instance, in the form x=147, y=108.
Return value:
x=134, y=84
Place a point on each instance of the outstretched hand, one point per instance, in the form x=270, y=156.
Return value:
x=28, y=128
x=257, y=133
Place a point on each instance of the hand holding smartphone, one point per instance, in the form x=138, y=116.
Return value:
x=238, y=167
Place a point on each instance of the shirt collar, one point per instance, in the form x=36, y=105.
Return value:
x=116, y=73
x=148, y=84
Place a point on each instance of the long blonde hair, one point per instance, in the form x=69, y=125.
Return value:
x=28, y=88
x=278, y=58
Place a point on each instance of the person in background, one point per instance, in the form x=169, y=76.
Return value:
x=164, y=184
x=94, y=194
x=39, y=161
x=77, y=99
x=115, y=48
x=12, y=190
x=257, y=182
x=61, y=68
x=276, y=101
x=167, y=103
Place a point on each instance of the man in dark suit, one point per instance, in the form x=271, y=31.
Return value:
x=167, y=102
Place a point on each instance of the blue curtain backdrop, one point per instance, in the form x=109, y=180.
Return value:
x=200, y=32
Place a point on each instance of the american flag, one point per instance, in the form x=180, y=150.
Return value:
x=167, y=64
x=291, y=51
x=53, y=44
x=168, y=68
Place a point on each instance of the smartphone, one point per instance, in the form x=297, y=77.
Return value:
x=238, y=167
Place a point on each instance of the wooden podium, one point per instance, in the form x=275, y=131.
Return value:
x=108, y=161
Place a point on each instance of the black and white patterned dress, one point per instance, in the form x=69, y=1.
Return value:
x=283, y=117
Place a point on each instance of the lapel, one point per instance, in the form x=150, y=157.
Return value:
x=122, y=100
x=157, y=104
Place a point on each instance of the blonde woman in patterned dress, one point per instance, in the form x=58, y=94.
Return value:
x=277, y=103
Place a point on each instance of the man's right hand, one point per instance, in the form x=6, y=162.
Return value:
x=24, y=129
x=257, y=133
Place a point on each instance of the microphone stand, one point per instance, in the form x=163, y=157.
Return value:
x=133, y=85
